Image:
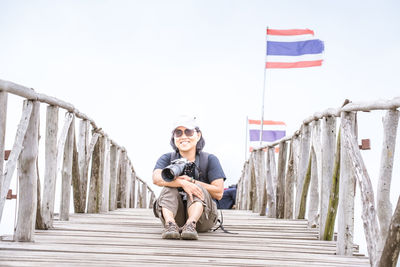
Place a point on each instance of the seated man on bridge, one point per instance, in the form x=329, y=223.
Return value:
x=191, y=180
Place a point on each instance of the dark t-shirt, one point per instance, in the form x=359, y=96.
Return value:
x=214, y=169
x=228, y=199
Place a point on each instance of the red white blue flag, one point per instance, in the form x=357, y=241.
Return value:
x=297, y=48
x=272, y=131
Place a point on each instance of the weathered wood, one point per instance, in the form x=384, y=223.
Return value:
x=133, y=190
x=303, y=165
x=50, y=171
x=247, y=186
x=122, y=181
x=114, y=161
x=39, y=222
x=84, y=154
x=139, y=193
x=346, y=192
x=27, y=178
x=152, y=199
x=96, y=178
x=67, y=171
x=76, y=180
x=3, y=119
x=334, y=193
x=371, y=227
x=143, y=196
x=106, y=177
x=62, y=139
x=271, y=198
x=391, y=249
x=128, y=183
x=312, y=210
x=263, y=179
x=327, y=165
x=15, y=151
x=280, y=186
x=272, y=163
x=384, y=207
x=259, y=180
x=304, y=193
x=289, y=185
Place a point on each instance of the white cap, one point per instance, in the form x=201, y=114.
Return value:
x=188, y=122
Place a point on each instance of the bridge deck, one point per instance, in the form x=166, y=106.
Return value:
x=131, y=237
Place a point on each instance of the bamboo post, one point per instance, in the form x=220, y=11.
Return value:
x=114, y=159
x=289, y=185
x=327, y=165
x=67, y=172
x=384, y=207
x=303, y=165
x=346, y=193
x=96, y=178
x=391, y=249
x=271, y=199
x=15, y=151
x=27, y=177
x=3, y=119
x=105, y=201
x=50, y=172
x=334, y=193
x=280, y=186
x=371, y=227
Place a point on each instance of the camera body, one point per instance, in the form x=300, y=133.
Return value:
x=175, y=169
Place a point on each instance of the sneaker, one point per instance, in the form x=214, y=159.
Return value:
x=171, y=231
x=189, y=231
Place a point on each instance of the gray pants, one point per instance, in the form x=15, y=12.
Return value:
x=171, y=199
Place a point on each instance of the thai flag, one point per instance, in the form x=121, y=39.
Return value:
x=272, y=131
x=296, y=48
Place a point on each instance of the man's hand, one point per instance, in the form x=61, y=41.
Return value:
x=190, y=188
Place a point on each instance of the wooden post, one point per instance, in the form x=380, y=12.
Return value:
x=128, y=183
x=133, y=190
x=3, y=118
x=143, y=196
x=334, y=193
x=96, y=178
x=82, y=165
x=303, y=164
x=384, y=207
x=316, y=173
x=391, y=249
x=27, y=177
x=67, y=171
x=346, y=194
x=289, y=185
x=271, y=199
x=50, y=172
x=106, y=177
x=280, y=186
x=328, y=160
x=123, y=180
x=304, y=193
x=263, y=179
x=15, y=152
x=370, y=221
x=139, y=199
x=258, y=183
x=152, y=199
x=114, y=159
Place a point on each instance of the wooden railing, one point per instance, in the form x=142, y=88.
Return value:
x=113, y=182
x=320, y=152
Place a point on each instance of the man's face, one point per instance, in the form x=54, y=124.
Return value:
x=186, y=139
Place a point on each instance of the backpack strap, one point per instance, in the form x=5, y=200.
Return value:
x=174, y=155
x=202, y=163
x=221, y=221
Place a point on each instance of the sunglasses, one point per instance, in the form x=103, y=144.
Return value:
x=188, y=133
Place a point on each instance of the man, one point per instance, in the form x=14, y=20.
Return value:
x=185, y=205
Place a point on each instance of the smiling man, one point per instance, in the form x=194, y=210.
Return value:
x=185, y=205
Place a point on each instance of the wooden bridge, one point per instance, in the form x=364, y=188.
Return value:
x=286, y=211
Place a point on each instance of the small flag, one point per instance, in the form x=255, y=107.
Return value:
x=272, y=131
x=297, y=48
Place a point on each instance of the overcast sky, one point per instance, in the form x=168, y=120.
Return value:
x=134, y=66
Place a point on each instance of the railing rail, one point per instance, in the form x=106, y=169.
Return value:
x=113, y=182
x=320, y=152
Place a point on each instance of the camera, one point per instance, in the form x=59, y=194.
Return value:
x=174, y=170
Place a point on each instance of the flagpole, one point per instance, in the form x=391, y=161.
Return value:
x=263, y=94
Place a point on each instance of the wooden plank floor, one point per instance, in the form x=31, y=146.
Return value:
x=132, y=237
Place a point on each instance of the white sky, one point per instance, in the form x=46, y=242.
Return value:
x=134, y=66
